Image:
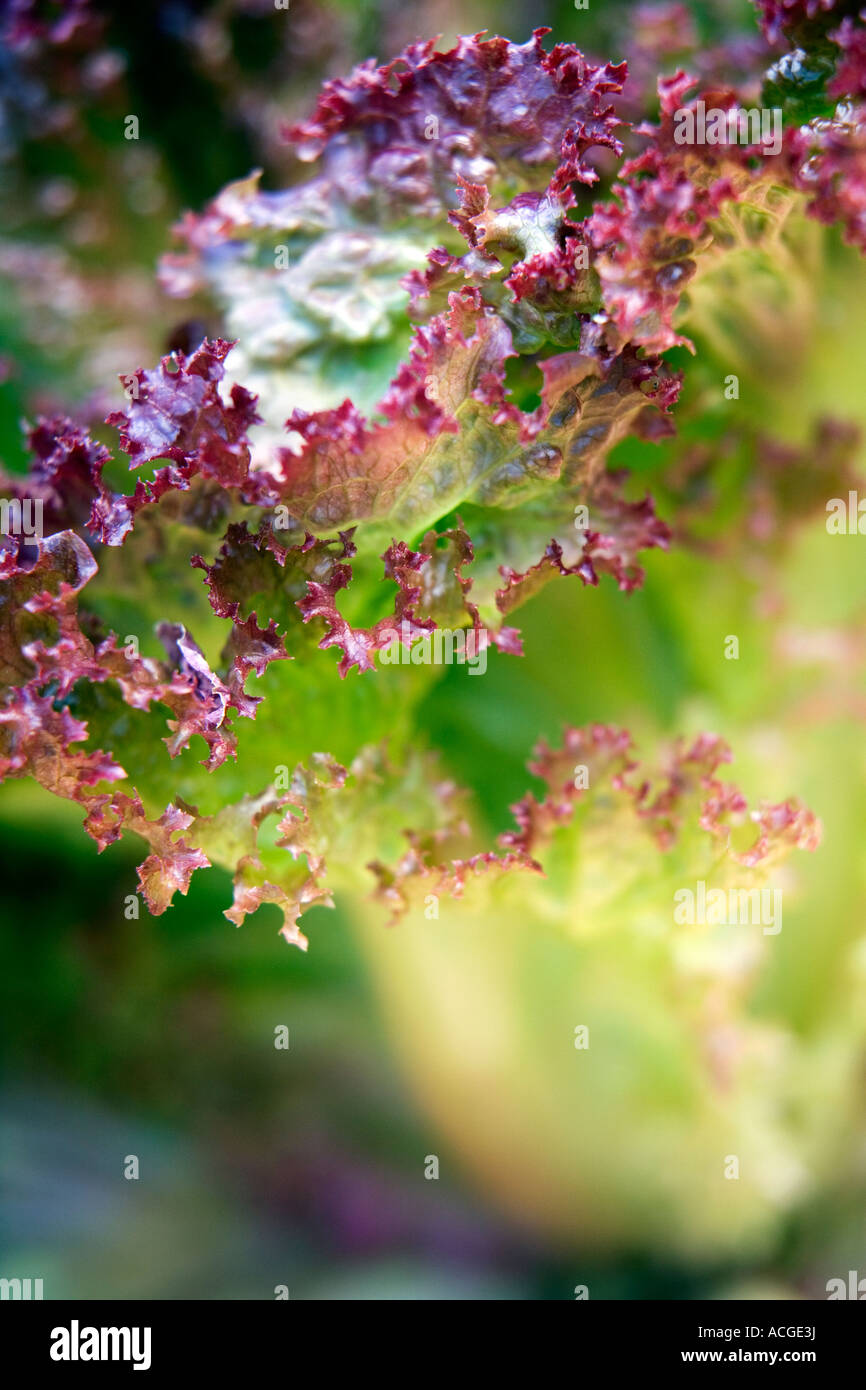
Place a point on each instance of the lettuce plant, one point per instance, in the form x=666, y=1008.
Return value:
x=449, y=359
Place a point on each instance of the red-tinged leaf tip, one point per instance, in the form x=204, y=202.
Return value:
x=176, y=412
x=850, y=76
x=787, y=17
x=828, y=161
x=493, y=102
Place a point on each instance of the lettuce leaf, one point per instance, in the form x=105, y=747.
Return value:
x=502, y=350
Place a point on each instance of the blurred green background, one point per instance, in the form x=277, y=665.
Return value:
x=155, y=1037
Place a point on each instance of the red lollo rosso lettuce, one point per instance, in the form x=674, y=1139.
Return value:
x=687, y=797
x=502, y=347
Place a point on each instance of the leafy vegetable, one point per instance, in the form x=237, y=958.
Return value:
x=455, y=489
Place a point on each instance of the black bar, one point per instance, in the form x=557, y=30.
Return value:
x=609, y=1337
